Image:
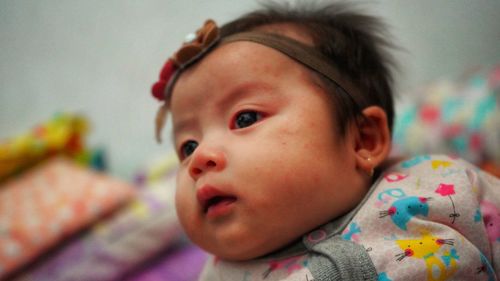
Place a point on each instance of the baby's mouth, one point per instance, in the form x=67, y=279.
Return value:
x=212, y=199
x=217, y=201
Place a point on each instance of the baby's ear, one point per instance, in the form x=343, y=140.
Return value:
x=373, y=140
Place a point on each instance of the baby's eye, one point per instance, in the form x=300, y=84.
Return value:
x=188, y=148
x=246, y=119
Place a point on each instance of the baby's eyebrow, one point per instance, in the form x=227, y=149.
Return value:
x=180, y=126
x=245, y=89
x=240, y=91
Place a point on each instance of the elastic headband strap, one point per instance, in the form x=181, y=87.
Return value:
x=189, y=55
x=302, y=53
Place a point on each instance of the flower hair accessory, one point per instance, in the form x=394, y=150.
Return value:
x=197, y=46
x=191, y=51
x=208, y=36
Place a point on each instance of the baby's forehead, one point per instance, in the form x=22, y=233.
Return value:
x=234, y=68
x=290, y=30
x=293, y=31
x=268, y=53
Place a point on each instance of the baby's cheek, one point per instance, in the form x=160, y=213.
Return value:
x=184, y=204
x=186, y=214
x=181, y=206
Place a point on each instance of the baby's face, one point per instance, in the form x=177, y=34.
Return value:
x=261, y=163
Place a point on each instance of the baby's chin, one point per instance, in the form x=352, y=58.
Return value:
x=235, y=256
x=239, y=256
x=237, y=253
x=247, y=250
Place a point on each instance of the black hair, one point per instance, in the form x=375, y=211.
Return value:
x=356, y=43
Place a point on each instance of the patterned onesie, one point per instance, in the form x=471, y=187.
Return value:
x=429, y=218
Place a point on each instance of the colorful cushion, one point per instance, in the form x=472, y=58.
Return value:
x=50, y=202
x=145, y=227
x=456, y=116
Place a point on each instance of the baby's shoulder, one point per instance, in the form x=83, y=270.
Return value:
x=427, y=206
x=422, y=172
x=430, y=177
x=439, y=174
x=432, y=164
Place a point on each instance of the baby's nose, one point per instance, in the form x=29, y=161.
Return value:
x=206, y=159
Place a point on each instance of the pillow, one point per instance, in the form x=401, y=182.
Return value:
x=50, y=202
x=460, y=117
x=114, y=246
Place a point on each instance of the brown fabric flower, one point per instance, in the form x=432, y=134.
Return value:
x=203, y=40
x=205, y=36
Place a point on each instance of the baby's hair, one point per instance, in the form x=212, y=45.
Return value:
x=357, y=45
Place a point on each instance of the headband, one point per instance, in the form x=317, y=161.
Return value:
x=207, y=37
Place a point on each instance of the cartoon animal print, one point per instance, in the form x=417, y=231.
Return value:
x=491, y=219
x=448, y=190
x=383, y=277
x=426, y=248
x=289, y=264
x=395, y=177
x=352, y=232
x=415, y=161
x=435, y=164
x=404, y=209
x=388, y=195
x=486, y=268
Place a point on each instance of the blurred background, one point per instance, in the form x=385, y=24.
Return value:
x=75, y=79
x=99, y=58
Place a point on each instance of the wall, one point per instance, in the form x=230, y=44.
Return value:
x=101, y=57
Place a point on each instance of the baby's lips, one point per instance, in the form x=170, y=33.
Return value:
x=206, y=193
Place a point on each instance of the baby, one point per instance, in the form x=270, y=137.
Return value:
x=282, y=123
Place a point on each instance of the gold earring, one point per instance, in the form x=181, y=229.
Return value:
x=372, y=169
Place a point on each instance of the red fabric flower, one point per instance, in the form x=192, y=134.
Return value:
x=188, y=52
x=158, y=89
